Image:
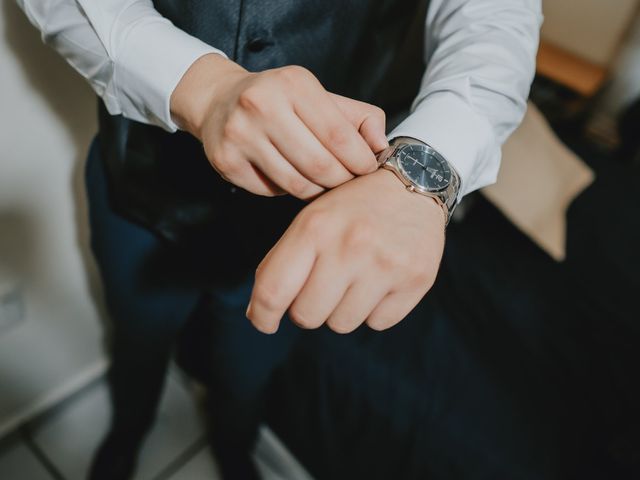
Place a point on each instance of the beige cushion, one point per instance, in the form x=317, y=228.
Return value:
x=538, y=180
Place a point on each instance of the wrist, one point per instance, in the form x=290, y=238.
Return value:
x=429, y=205
x=199, y=87
x=423, y=170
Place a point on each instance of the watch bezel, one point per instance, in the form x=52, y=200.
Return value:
x=428, y=150
x=447, y=197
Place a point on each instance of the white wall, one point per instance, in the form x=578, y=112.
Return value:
x=605, y=32
x=624, y=85
x=47, y=120
x=589, y=28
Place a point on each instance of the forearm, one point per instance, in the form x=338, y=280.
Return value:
x=192, y=97
x=481, y=61
x=108, y=43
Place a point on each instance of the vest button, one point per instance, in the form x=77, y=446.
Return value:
x=258, y=44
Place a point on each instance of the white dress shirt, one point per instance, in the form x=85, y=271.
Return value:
x=480, y=62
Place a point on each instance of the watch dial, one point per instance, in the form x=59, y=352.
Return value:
x=424, y=169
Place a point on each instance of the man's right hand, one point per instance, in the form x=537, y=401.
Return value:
x=277, y=131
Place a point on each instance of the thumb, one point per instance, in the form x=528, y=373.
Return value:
x=368, y=119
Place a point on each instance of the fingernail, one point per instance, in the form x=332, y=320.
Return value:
x=270, y=331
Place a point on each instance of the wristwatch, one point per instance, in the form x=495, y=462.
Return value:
x=423, y=170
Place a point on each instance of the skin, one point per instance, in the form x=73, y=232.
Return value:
x=277, y=131
x=365, y=250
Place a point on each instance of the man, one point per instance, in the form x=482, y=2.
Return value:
x=287, y=99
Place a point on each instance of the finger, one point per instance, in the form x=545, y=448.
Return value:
x=303, y=150
x=241, y=173
x=356, y=305
x=321, y=293
x=327, y=122
x=393, y=308
x=269, y=185
x=279, y=278
x=268, y=159
x=251, y=179
x=368, y=119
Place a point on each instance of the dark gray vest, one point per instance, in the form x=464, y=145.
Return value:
x=369, y=50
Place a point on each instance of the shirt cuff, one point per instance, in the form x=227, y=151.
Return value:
x=147, y=72
x=463, y=137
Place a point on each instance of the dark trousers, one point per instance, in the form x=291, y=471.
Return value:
x=512, y=367
x=152, y=301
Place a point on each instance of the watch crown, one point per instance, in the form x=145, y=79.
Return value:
x=384, y=155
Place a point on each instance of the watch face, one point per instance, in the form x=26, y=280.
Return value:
x=423, y=168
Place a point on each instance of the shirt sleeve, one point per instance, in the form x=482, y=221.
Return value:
x=480, y=58
x=107, y=42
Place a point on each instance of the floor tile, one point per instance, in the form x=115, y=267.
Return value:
x=201, y=467
x=275, y=461
x=71, y=435
x=17, y=462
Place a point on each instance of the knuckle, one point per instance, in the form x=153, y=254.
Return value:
x=302, y=188
x=314, y=222
x=340, y=327
x=421, y=269
x=219, y=159
x=379, y=325
x=232, y=129
x=298, y=187
x=211, y=151
x=223, y=161
x=320, y=168
x=365, y=164
x=423, y=278
x=337, y=135
x=270, y=193
x=295, y=74
x=358, y=236
x=250, y=98
x=299, y=318
x=387, y=261
x=417, y=276
x=267, y=297
x=232, y=169
x=407, y=259
x=379, y=112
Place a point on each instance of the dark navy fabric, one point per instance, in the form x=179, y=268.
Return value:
x=371, y=50
x=156, y=296
x=147, y=306
x=450, y=393
x=478, y=382
x=512, y=367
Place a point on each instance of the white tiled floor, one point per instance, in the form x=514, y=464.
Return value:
x=174, y=450
x=274, y=460
x=83, y=424
x=17, y=462
x=201, y=466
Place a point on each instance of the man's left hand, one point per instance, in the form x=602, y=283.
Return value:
x=366, y=251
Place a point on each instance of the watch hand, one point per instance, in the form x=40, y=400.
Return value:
x=414, y=160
